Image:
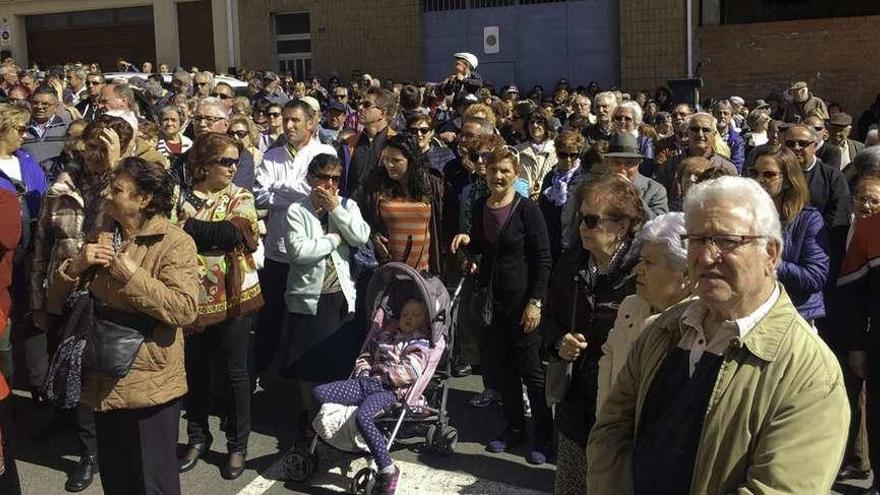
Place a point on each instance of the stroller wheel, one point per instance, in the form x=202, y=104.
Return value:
x=363, y=482
x=447, y=439
x=298, y=465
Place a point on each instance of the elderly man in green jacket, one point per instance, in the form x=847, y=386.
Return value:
x=732, y=392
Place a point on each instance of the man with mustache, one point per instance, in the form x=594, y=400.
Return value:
x=732, y=392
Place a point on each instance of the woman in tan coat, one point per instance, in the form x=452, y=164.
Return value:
x=144, y=266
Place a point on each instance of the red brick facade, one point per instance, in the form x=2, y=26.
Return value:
x=837, y=57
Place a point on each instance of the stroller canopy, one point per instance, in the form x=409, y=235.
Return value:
x=394, y=283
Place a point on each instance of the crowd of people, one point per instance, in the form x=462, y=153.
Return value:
x=664, y=297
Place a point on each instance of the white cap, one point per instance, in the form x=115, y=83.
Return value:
x=127, y=116
x=737, y=100
x=310, y=101
x=470, y=58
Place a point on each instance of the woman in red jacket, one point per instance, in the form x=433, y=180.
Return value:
x=10, y=232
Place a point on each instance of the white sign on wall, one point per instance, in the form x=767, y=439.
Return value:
x=491, y=42
x=5, y=33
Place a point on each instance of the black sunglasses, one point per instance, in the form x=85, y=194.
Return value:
x=365, y=104
x=239, y=134
x=696, y=129
x=419, y=130
x=478, y=156
x=227, y=162
x=802, y=143
x=222, y=96
x=328, y=177
x=593, y=221
x=570, y=156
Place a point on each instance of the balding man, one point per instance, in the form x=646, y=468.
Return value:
x=212, y=117
x=732, y=392
x=701, y=130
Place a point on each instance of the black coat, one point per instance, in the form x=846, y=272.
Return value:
x=523, y=262
x=598, y=299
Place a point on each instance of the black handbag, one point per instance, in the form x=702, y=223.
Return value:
x=485, y=297
x=114, y=340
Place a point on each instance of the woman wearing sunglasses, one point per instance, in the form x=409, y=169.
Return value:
x=805, y=263
x=245, y=133
x=509, y=233
x=274, y=126
x=588, y=284
x=562, y=181
x=221, y=218
x=437, y=153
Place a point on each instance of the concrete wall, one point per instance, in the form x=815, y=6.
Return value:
x=836, y=56
x=381, y=37
x=538, y=43
x=652, y=43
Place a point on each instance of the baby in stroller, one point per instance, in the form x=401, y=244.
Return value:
x=392, y=361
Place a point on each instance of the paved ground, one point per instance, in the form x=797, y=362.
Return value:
x=470, y=470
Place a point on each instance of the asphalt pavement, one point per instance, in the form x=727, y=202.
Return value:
x=470, y=470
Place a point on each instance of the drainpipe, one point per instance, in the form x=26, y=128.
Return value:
x=230, y=22
x=690, y=38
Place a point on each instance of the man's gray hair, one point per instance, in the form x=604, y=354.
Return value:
x=867, y=161
x=742, y=192
x=486, y=128
x=124, y=92
x=606, y=96
x=633, y=108
x=666, y=231
x=207, y=76
x=182, y=76
x=713, y=121
x=812, y=132
x=722, y=104
x=210, y=101
x=79, y=71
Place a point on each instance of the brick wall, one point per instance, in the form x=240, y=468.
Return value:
x=652, y=43
x=380, y=37
x=837, y=57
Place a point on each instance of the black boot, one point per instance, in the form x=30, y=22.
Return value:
x=191, y=457
x=82, y=476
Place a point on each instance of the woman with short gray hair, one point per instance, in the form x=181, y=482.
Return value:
x=627, y=117
x=661, y=283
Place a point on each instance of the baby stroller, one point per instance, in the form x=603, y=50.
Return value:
x=424, y=405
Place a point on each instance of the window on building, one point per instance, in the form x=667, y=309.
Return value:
x=438, y=5
x=746, y=11
x=293, y=44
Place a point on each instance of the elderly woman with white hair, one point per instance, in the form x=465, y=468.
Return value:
x=661, y=282
x=627, y=117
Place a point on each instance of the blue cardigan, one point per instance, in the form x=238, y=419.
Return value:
x=805, y=263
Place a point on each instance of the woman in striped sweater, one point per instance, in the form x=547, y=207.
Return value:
x=402, y=205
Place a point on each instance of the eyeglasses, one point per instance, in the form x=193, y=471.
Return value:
x=239, y=134
x=593, y=221
x=478, y=156
x=801, y=143
x=766, y=174
x=818, y=128
x=867, y=200
x=570, y=156
x=723, y=243
x=622, y=118
x=419, y=130
x=274, y=115
x=328, y=177
x=222, y=96
x=210, y=119
x=196, y=83
x=697, y=129
x=227, y=162
x=366, y=104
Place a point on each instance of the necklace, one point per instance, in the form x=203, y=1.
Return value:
x=613, y=264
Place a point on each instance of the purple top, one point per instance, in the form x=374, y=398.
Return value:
x=493, y=220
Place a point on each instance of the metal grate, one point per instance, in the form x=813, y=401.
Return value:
x=440, y=5
x=485, y=4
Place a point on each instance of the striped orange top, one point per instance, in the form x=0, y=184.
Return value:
x=409, y=234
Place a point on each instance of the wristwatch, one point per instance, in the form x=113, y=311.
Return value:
x=538, y=303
